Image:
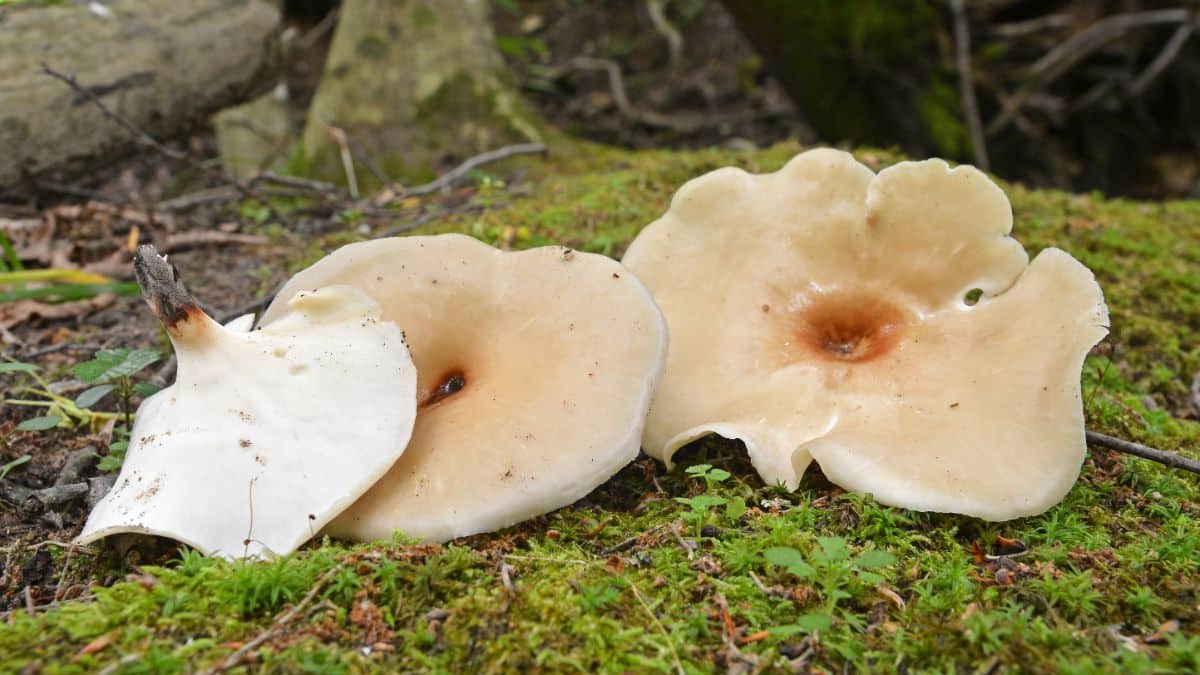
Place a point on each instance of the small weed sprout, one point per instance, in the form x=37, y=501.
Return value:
x=701, y=505
x=113, y=370
x=835, y=571
x=37, y=393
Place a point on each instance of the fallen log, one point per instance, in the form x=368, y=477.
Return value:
x=163, y=65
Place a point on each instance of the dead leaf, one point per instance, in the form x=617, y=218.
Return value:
x=1160, y=635
x=16, y=313
x=194, y=238
x=93, y=647
x=891, y=595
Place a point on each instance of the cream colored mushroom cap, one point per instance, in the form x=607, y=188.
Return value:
x=535, y=370
x=820, y=312
x=265, y=435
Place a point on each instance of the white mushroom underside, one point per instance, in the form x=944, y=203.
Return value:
x=818, y=313
x=558, y=353
x=265, y=436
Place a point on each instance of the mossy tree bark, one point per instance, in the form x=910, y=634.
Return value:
x=865, y=71
x=415, y=84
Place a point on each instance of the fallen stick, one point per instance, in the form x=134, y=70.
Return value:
x=450, y=177
x=235, y=658
x=1144, y=451
x=146, y=140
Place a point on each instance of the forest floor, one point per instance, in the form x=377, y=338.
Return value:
x=627, y=579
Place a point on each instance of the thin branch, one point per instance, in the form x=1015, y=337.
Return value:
x=1144, y=451
x=1018, y=29
x=1058, y=61
x=966, y=84
x=658, y=17
x=309, y=184
x=616, y=83
x=1164, y=59
x=146, y=140
x=453, y=175
x=222, y=193
x=318, y=31
x=662, y=629
x=236, y=658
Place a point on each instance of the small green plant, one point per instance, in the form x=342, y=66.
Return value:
x=110, y=371
x=59, y=410
x=835, y=571
x=23, y=459
x=113, y=370
x=701, y=505
x=53, y=285
x=595, y=597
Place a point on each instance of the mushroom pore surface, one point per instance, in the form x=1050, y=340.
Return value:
x=884, y=325
x=535, y=370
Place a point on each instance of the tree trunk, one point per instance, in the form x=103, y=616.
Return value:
x=863, y=71
x=163, y=64
x=415, y=85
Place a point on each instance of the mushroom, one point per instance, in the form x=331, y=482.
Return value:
x=534, y=373
x=265, y=435
x=885, y=326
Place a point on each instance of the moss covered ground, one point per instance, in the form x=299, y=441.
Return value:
x=632, y=580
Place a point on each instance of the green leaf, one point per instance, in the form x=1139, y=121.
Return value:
x=14, y=464
x=833, y=548
x=146, y=388
x=870, y=578
x=807, y=623
x=111, y=364
x=790, y=559
x=874, y=559
x=100, y=364
x=110, y=463
x=698, y=469
x=11, y=260
x=717, y=475
x=39, y=423
x=735, y=508
x=91, y=397
x=17, y=367
x=814, y=622
x=706, y=501
x=66, y=292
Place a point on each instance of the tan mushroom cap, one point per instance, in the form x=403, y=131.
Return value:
x=821, y=312
x=534, y=369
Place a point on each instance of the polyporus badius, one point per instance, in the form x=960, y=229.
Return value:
x=885, y=326
x=534, y=373
x=265, y=435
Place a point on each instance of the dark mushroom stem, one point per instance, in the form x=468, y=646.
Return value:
x=162, y=288
x=1145, y=452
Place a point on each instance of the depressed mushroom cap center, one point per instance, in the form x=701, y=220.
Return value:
x=848, y=326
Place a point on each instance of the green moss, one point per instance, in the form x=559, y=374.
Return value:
x=372, y=47
x=1118, y=558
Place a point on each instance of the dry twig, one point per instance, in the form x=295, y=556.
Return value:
x=1058, y=61
x=284, y=619
x=1165, y=57
x=453, y=175
x=658, y=17
x=662, y=629
x=146, y=140
x=1144, y=451
x=966, y=84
